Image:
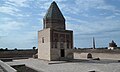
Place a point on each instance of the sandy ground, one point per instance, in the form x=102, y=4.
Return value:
x=62, y=66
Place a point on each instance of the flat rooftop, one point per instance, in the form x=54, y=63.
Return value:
x=63, y=66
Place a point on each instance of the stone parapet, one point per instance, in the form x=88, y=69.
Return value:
x=6, y=67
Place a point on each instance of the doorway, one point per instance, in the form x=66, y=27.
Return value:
x=62, y=52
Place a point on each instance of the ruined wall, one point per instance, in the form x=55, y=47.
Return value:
x=97, y=55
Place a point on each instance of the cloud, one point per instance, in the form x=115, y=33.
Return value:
x=9, y=10
x=75, y=19
x=95, y=27
x=110, y=17
x=10, y=26
x=20, y=40
x=21, y=3
x=87, y=4
x=79, y=7
x=118, y=14
x=44, y=5
x=14, y=7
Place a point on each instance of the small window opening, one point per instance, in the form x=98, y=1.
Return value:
x=42, y=39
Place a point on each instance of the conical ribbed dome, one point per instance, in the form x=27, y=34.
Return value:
x=54, y=18
x=54, y=12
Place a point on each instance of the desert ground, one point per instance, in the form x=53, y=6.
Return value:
x=103, y=65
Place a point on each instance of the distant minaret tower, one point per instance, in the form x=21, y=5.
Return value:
x=93, y=43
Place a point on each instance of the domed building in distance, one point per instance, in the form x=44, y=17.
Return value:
x=112, y=45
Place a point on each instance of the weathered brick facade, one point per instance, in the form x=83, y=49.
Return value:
x=54, y=41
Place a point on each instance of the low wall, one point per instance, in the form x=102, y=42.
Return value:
x=106, y=56
x=6, y=67
x=17, y=54
x=115, y=51
x=97, y=55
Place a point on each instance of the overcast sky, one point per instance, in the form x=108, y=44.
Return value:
x=20, y=21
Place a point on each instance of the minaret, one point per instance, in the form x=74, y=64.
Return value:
x=53, y=18
x=93, y=43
